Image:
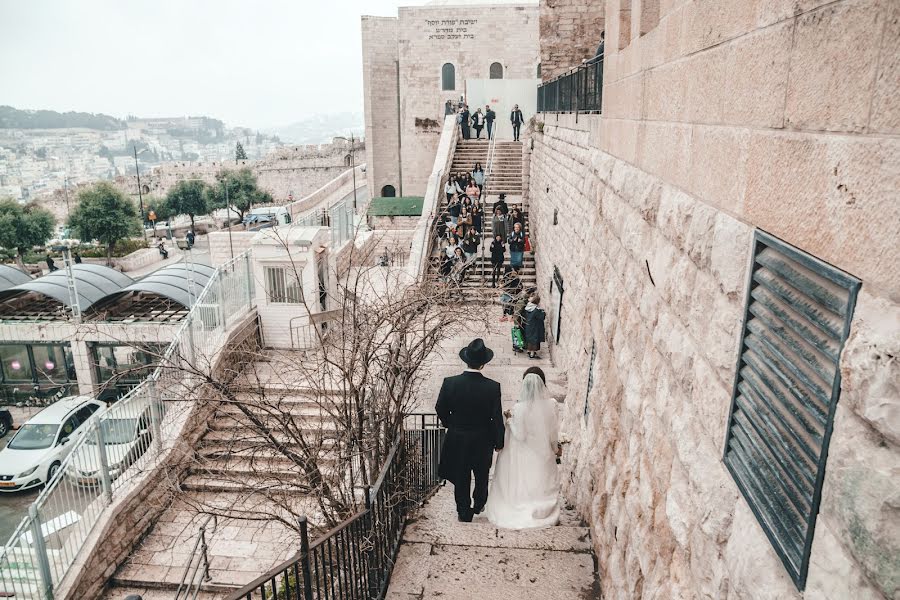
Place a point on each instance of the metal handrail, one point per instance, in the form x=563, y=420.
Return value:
x=199, y=557
x=580, y=89
x=355, y=558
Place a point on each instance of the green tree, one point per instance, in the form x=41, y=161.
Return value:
x=104, y=213
x=239, y=153
x=22, y=227
x=189, y=198
x=242, y=191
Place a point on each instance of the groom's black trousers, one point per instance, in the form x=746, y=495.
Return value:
x=479, y=464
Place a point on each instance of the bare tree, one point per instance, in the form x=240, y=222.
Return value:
x=303, y=431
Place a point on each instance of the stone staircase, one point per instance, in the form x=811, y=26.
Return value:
x=506, y=175
x=507, y=179
x=232, y=466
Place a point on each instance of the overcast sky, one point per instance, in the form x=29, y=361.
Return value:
x=256, y=63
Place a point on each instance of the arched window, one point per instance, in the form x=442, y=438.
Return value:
x=496, y=71
x=539, y=71
x=388, y=191
x=347, y=161
x=448, y=77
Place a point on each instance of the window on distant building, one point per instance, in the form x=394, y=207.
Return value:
x=539, y=71
x=788, y=381
x=448, y=77
x=388, y=191
x=283, y=285
x=496, y=71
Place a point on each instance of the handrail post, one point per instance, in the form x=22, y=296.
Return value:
x=204, y=554
x=371, y=567
x=304, y=559
x=155, y=416
x=40, y=551
x=105, y=481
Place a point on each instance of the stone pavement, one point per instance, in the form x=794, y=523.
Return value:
x=443, y=558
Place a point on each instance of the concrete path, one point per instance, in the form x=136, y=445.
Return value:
x=443, y=558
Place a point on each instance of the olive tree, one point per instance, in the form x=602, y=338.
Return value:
x=22, y=227
x=104, y=213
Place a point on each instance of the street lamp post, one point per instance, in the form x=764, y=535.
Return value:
x=140, y=192
x=228, y=217
x=65, y=184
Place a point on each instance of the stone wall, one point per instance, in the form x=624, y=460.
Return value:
x=570, y=33
x=716, y=123
x=291, y=172
x=402, y=64
x=381, y=103
x=471, y=38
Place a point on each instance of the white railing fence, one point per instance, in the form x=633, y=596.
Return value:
x=122, y=444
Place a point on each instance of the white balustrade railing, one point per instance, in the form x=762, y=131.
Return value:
x=121, y=445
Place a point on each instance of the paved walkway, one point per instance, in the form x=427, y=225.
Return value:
x=443, y=558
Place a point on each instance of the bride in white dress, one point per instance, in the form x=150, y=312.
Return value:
x=524, y=492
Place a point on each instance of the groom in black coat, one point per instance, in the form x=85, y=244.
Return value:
x=469, y=407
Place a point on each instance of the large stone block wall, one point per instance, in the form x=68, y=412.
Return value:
x=381, y=102
x=716, y=122
x=289, y=172
x=477, y=37
x=570, y=33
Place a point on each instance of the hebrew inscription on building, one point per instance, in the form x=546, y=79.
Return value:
x=450, y=29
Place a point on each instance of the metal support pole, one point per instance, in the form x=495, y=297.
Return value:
x=105, y=481
x=70, y=283
x=228, y=217
x=204, y=554
x=353, y=171
x=304, y=560
x=155, y=414
x=137, y=170
x=40, y=552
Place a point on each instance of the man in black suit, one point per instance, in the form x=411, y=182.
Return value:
x=469, y=407
x=516, y=118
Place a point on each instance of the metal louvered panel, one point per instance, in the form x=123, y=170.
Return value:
x=788, y=380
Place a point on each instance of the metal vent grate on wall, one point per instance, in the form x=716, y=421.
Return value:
x=788, y=381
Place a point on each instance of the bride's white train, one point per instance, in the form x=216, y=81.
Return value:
x=524, y=492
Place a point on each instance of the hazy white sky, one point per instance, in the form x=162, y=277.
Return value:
x=256, y=63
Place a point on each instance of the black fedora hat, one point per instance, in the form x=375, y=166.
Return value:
x=476, y=353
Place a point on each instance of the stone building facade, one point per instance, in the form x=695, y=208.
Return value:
x=570, y=33
x=289, y=173
x=720, y=119
x=403, y=63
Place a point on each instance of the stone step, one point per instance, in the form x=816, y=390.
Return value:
x=119, y=589
x=249, y=482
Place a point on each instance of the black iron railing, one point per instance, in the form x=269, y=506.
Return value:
x=578, y=90
x=355, y=559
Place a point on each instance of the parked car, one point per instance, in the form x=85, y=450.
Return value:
x=267, y=216
x=35, y=453
x=126, y=436
x=6, y=422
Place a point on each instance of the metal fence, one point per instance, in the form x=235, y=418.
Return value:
x=355, y=559
x=117, y=447
x=578, y=90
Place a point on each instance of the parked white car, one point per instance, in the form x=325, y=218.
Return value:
x=35, y=453
x=126, y=436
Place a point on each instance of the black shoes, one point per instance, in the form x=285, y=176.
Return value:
x=478, y=511
x=465, y=517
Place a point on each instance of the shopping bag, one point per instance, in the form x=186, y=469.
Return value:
x=527, y=244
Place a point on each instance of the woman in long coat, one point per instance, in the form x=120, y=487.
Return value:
x=534, y=326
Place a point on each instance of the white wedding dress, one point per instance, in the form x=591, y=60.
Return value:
x=524, y=492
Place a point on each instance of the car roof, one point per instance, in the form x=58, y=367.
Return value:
x=59, y=410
